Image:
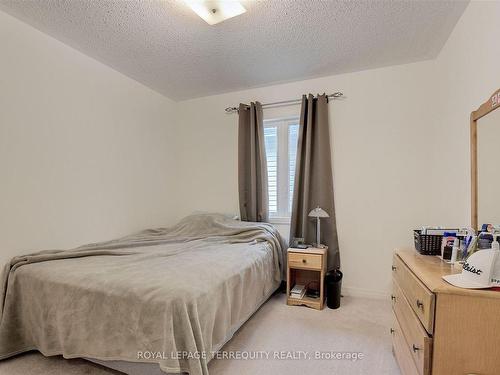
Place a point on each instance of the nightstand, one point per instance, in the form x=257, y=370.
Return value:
x=306, y=267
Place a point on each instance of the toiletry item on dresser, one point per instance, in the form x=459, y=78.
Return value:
x=470, y=246
x=495, y=245
x=455, y=250
x=463, y=249
x=447, y=245
x=490, y=228
x=484, y=240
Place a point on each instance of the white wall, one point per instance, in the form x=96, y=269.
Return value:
x=379, y=138
x=85, y=152
x=468, y=72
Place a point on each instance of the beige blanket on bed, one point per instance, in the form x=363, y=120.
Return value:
x=168, y=296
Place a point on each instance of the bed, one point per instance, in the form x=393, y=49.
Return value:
x=159, y=301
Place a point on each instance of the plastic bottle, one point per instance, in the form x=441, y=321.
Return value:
x=495, y=245
x=454, y=251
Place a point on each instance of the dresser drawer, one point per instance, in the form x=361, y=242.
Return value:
x=421, y=299
x=401, y=350
x=304, y=261
x=417, y=340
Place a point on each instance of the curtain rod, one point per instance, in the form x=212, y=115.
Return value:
x=285, y=102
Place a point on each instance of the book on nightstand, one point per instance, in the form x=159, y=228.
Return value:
x=298, y=291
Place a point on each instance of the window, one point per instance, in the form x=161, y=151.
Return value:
x=281, y=137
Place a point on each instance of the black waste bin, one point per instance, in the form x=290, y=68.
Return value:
x=333, y=281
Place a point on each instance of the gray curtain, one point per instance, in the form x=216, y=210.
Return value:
x=252, y=165
x=313, y=178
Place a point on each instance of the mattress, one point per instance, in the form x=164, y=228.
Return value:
x=187, y=289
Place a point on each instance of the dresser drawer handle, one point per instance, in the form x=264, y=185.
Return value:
x=304, y=261
x=420, y=305
x=392, y=331
x=415, y=348
x=393, y=268
x=393, y=297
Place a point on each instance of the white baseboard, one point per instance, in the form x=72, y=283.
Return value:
x=364, y=293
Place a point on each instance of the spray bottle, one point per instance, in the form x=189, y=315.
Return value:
x=454, y=251
x=495, y=245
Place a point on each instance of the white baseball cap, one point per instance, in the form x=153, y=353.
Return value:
x=480, y=270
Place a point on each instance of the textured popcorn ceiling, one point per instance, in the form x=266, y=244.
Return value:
x=166, y=46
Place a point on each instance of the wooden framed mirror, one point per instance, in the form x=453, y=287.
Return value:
x=485, y=162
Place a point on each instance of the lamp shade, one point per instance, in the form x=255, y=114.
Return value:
x=318, y=212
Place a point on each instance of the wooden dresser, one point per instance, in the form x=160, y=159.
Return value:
x=440, y=329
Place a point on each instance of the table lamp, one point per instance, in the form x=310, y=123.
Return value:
x=318, y=213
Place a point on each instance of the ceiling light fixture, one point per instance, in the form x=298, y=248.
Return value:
x=215, y=11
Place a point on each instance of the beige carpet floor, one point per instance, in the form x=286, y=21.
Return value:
x=360, y=326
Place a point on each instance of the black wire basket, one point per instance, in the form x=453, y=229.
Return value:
x=428, y=244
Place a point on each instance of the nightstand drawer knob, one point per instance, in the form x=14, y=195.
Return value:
x=304, y=261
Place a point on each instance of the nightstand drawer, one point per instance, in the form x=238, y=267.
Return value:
x=304, y=261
